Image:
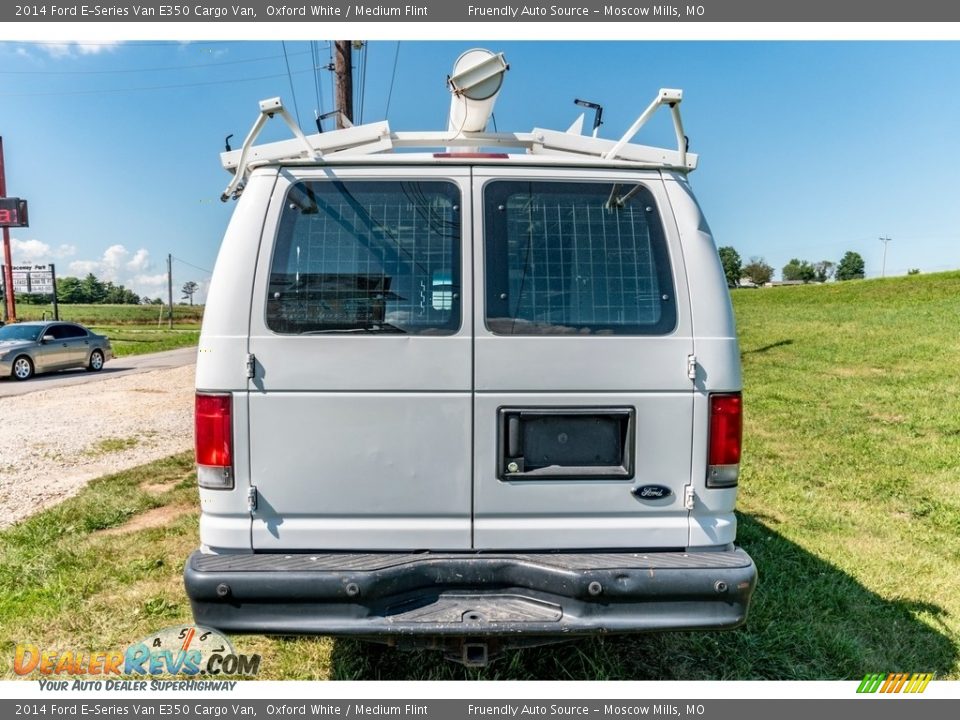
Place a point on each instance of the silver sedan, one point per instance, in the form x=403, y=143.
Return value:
x=34, y=347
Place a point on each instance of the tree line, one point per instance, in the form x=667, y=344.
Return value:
x=758, y=272
x=90, y=290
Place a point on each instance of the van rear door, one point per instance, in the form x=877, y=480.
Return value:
x=583, y=402
x=360, y=407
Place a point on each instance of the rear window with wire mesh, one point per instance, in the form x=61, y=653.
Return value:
x=367, y=257
x=583, y=258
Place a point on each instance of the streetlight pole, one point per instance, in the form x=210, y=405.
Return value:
x=883, y=268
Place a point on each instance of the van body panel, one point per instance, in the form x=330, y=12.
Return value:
x=225, y=514
x=710, y=305
x=356, y=435
x=329, y=476
x=579, y=370
x=224, y=337
x=712, y=520
x=582, y=512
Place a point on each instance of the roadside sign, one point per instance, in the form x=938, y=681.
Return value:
x=32, y=279
x=13, y=212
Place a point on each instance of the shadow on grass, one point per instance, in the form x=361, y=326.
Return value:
x=808, y=621
x=767, y=348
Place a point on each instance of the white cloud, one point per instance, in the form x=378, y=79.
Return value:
x=150, y=285
x=121, y=267
x=80, y=268
x=29, y=251
x=37, y=251
x=140, y=261
x=117, y=264
x=74, y=48
x=114, y=257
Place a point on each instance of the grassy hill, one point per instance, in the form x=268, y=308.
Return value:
x=849, y=501
x=113, y=315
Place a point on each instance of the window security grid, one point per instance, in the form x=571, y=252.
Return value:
x=575, y=257
x=367, y=256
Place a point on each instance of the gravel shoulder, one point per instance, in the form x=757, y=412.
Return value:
x=53, y=442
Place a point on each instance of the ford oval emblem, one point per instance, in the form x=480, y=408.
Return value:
x=652, y=492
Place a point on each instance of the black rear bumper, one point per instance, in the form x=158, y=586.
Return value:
x=384, y=595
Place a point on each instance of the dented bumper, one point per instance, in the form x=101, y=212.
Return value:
x=379, y=595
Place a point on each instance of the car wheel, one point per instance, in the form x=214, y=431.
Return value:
x=22, y=368
x=96, y=361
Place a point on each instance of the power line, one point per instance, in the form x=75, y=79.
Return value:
x=293, y=92
x=151, y=87
x=143, y=70
x=195, y=267
x=393, y=76
x=125, y=43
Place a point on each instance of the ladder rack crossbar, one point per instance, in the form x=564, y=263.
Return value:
x=377, y=138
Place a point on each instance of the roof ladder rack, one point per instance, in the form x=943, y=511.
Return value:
x=666, y=96
x=268, y=108
x=372, y=138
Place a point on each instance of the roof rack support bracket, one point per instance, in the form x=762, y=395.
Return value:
x=268, y=108
x=666, y=96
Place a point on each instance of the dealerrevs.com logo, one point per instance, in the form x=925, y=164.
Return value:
x=180, y=650
x=894, y=682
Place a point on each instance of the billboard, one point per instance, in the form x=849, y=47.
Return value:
x=31, y=279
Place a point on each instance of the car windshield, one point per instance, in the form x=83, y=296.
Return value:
x=19, y=332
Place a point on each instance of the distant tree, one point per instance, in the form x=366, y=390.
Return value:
x=189, y=288
x=119, y=295
x=732, y=265
x=823, y=270
x=851, y=267
x=798, y=270
x=757, y=271
x=92, y=289
x=69, y=290
x=913, y=271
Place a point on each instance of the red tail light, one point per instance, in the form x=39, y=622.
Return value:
x=726, y=433
x=214, y=440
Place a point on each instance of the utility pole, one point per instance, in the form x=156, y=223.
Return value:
x=170, y=288
x=883, y=267
x=343, y=77
x=10, y=309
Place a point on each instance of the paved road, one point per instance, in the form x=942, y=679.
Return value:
x=117, y=367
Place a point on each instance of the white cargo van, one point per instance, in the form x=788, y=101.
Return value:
x=467, y=398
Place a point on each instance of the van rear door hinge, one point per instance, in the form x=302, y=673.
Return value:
x=692, y=367
x=252, y=498
x=688, y=497
x=251, y=365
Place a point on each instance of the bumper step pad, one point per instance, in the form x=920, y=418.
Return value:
x=469, y=594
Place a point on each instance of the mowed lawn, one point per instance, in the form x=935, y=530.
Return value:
x=132, y=329
x=849, y=505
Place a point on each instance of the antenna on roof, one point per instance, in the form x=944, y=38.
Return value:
x=597, y=113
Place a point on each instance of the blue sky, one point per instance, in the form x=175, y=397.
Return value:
x=808, y=149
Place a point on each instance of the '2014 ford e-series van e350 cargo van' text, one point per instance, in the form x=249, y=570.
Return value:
x=459, y=397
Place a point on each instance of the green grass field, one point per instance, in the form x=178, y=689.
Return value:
x=849, y=506
x=132, y=329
